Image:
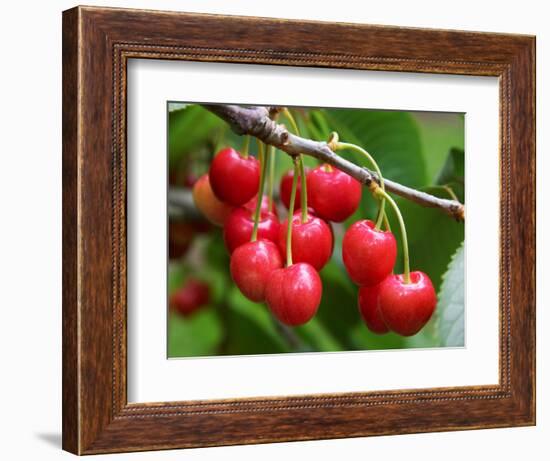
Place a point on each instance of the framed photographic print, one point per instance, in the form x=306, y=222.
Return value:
x=273, y=235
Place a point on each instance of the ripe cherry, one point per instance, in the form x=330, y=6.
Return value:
x=240, y=223
x=234, y=178
x=252, y=265
x=251, y=205
x=190, y=297
x=333, y=194
x=285, y=188
x=370, y=310
x=312, y=240
x=407, y=307
x=369, y=254
x=208, y=204
x=293, y=293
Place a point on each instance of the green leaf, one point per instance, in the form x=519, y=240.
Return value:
x=195, y=336
x=189, y=128
x=439, y=132
x=391, y=137
x=451, y=303
x=452, y=172
x=250, y=328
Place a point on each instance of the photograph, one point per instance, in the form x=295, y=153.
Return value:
x=314, y=230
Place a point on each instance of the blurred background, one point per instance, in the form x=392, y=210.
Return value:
x=423, y=150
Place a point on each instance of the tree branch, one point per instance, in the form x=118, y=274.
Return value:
x=256, y=121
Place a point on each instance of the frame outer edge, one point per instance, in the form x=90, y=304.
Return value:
x=91, y=419
x=70, y=190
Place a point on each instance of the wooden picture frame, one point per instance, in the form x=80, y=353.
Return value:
x=97, y=43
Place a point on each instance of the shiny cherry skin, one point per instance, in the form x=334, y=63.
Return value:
x=312, y=241
x=234, y=178
x=252, y=265
x=407, y=307
x=208, y=204
x=293, y=293
x=370, y=310
x=190, y=297
x=333, y=194
x=369, y=254
x=285, y=189
x=251, y=205
x=240, y=224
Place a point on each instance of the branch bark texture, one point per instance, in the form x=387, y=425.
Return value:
x=257, y=122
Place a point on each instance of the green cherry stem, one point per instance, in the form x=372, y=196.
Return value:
x=346, y=145
x=387, y=222
x=291, y=213
x=257, y=211
x=303, y=191
x=271, y=178
x=406, y=266
x=303, y=183
x=246, y=146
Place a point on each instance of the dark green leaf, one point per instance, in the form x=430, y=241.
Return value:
x=391, y=137
x=189, y=128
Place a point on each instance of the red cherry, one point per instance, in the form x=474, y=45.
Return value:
x=251, y=266
x=370, y=310
x=191, y=296
x=312, y=241
x=235, y=179
x=369, y=255
x=333, y=194
x=293, y=293
x=208, y=204
x=285, y=188
x=240, y=224
x=407, y=307
x=251, y=205
x=189, y=180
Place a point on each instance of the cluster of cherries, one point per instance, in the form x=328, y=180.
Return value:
x=259, y=243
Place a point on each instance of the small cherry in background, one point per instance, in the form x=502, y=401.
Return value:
x=240, y=224
x=370, y=310
x=190, y=297
x=285, y=188
x=252, y=265
x=180, y=236
x=333, y=194
x=234, y=178
x=293, y=293
x=312, y=240
x=208, y=204
x=407, y=306
x=369, y=254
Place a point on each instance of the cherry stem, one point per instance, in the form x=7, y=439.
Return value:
x=406, y=267
x=270, y=157
x=303, y=192
x=387, y=222
x=260, y=196
x=291, y=213
x=246, y=146
x=370, y=158
x=303, y=183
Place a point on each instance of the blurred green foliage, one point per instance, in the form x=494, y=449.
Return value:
x=421, y=150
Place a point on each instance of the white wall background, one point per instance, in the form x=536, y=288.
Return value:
x=30, y=229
